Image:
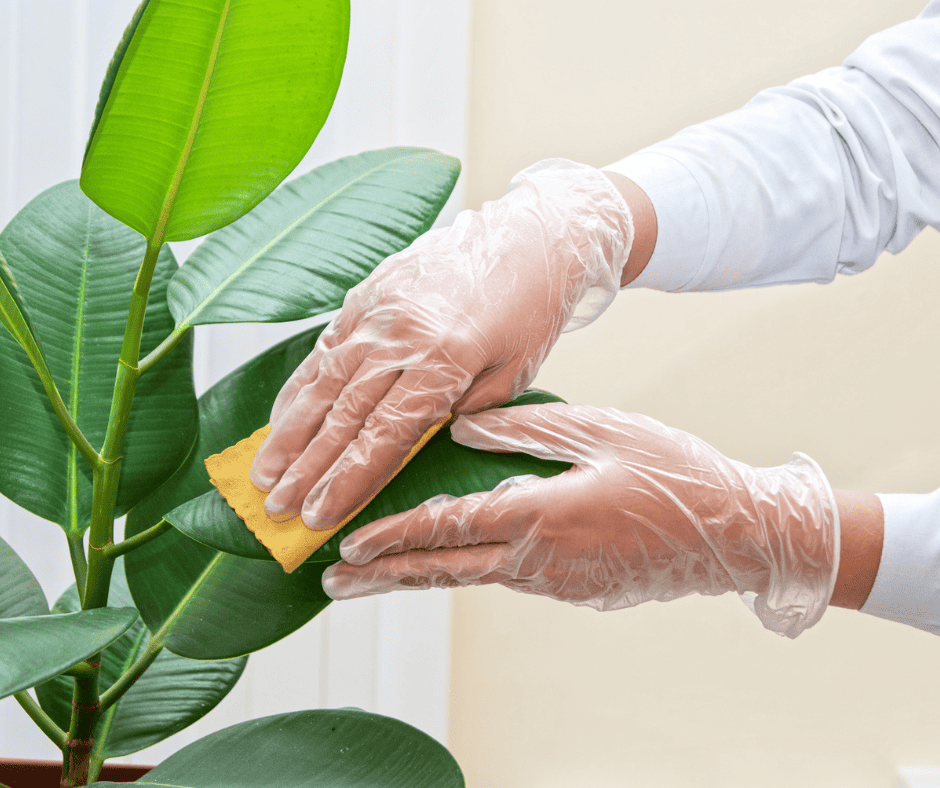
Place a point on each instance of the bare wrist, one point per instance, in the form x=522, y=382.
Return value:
x=644, y=223
x=861, y=519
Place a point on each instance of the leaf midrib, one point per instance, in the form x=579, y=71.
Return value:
x=214, y=293
x=167, y=208
x=78, y=338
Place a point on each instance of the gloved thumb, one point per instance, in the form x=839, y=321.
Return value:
x=553, y=431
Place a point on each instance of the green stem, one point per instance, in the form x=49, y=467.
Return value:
x=108, y=472
x=161, y=350
x=99, y=751
x=86, y=709
x=71, y=428
x=79, y=562
x=133, y=542
x=113, y=694
x=43, y=720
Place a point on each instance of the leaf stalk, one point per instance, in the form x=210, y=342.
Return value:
x=133, y=542
x=113, y=694
x=43, y=720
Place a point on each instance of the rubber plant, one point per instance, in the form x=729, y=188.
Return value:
x=205, y=108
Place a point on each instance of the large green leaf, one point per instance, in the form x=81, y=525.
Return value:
x=298, y=252
x=441, y=467
x=76, y=267
x=20, y=592
x=36, y=648
x=172, y=694
x=325, y=748
x=211, y=605
x=14, y=315
x=212, y=104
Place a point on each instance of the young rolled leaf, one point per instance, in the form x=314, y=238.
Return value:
x=441, y=467
x=20, y=592
x=211, y=605
x=36, y=648
x=212, y=104
x=172, y=694
x=298, y=252
x=324, y=748
x=76, y=267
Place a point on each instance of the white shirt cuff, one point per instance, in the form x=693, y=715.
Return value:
x=907, y=587
x=681, y=217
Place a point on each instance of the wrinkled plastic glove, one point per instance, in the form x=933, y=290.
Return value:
x=646, y=512
x=458, y=322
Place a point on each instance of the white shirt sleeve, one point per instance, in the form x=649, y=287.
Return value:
x=807, y=180
x=804, y=182
x=907, y=587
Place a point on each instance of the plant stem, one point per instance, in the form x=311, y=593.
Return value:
x=86, y=704
x=79, y=562
x=86, y=709
x=108, y=472
x=71, y=428
x=43, y=720
x=114, y=550
x=113, y=694
x=163, y=348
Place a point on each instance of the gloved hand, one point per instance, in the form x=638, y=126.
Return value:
x=458, y=322
x=645, y=512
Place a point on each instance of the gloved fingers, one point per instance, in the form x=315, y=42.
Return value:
x=312, y=452
x=497, y=385
x=554, y=431
x=496, y=516
x=419, y=570
x=416, y=401
x=302, y=419
x=306, y=372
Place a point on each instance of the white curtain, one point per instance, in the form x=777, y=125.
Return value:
x=404, y=84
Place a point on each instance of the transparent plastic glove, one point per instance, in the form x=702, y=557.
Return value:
x=459, y=321
x=646, y=512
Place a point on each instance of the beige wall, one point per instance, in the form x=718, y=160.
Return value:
x=695, y=692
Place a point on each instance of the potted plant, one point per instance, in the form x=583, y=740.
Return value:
x=206, y=107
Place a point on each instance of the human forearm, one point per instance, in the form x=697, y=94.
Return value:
x=644, y=226
x=861, y=522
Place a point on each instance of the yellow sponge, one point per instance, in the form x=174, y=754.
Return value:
x=289, y=542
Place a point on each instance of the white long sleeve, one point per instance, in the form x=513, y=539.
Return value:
x=804, y=182
x=907, y=587
x=807, y=180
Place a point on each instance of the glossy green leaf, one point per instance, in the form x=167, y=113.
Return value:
x=14, y=316
x=325, y=748
x=36, y=648
x=20, y=592
x=211, y=605
x=113, y=68
x=172, y=694
x=76, y=267
x=298, y=252
x=212, y=104
x=441, y=467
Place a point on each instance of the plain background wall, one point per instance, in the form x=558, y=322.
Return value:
x=695, y=692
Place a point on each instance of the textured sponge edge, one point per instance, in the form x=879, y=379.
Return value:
x=290, y=542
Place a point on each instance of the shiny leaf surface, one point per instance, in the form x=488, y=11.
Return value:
x=36, y=648
x=325, y=748
x=14, y=315
x=76, y=267
x=212, y=104
x=441, y=467
x=172, y=694
x=210, y=604
x=20, y=592
x=298, y=252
